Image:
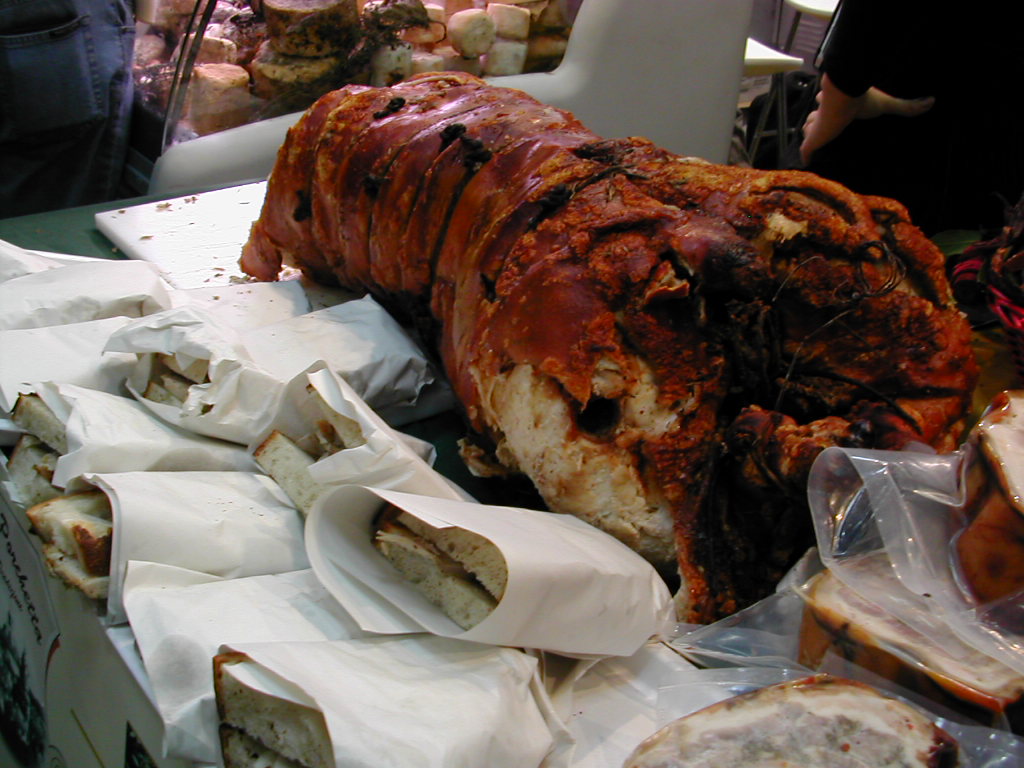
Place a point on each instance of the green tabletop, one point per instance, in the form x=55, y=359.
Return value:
x=72, y=230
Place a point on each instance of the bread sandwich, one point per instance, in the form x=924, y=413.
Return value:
x=458, y=570
x=76, y=531
x=169, y=381
x=31, y=466
x=287, y=460
x=839, y=621
x=266, y=731
x=34, y=457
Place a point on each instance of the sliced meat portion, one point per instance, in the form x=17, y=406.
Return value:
x=818, y=722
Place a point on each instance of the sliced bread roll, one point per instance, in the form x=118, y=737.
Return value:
x=287, y=727
x=31, y=468
x=69, y=570
x=287, y=460
x=76, y=530
x=288, y=465
x=35, y=417
x=457, y=570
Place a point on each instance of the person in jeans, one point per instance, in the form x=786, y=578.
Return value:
x=65, y=101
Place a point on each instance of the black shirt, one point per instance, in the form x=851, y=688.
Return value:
x=955, y=166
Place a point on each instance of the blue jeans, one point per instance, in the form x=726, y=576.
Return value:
x=65, y=101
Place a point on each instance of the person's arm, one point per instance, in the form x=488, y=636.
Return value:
x=837, y=109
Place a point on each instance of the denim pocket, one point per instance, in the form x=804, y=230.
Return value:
x=48, y=80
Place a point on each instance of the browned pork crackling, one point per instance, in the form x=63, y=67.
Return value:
x=661, y=344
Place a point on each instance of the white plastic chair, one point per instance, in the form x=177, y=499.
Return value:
x=819, y=9
x=666, y=70
x=760, y=60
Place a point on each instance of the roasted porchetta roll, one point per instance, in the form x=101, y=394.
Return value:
x=661, y=344
x=819, y=721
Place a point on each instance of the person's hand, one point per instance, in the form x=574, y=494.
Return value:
x=836, y=110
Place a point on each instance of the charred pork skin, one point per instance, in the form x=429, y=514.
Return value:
x=661, y=344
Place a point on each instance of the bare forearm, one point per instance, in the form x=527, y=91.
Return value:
x=835, y=111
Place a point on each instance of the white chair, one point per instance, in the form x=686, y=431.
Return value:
x=760, y=60
x=819, y=9
x=668, y=71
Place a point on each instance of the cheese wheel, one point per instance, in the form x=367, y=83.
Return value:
x=505, y=57
x=471, y=32
x=511, y=22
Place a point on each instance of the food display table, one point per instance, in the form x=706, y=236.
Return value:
x=66, y=667
x=98, y=701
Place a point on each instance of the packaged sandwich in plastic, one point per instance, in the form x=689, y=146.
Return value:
x=934, y=542
x=402, y=562
x=325, y=435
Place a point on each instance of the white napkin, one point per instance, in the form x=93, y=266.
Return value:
x=247, y=305
x=357, y=339
x=226, y=524
x=16, y=261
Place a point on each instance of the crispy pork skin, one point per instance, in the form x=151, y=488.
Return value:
x=661, y=344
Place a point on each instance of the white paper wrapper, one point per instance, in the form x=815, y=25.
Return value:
x=247, y=305
x=571, y=589
x=80, y=292
x=236, y=402
x=227, y=524
x=249, y=369
x=16, y=261
x=180, y=618
x=67, y=354
x=357, y=339
x=418, y=701
x=107, y=433
x=387, y=459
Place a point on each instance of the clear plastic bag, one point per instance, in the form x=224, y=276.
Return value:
x=908, y=509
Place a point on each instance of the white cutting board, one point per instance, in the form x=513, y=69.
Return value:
x=196, y=240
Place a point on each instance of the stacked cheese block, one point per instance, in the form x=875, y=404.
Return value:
x=484, y=38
